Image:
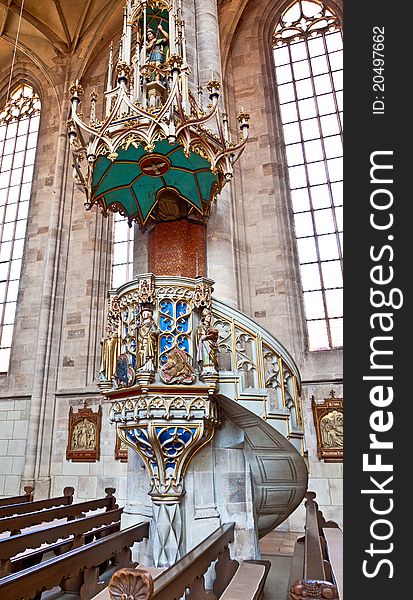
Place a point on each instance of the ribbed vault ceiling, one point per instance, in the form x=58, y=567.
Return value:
x=51, y=28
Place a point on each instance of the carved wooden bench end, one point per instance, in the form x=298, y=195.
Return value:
x=128, y=584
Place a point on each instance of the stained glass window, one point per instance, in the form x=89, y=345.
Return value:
x=19, y=126
x=308, y=55
x=122, y=265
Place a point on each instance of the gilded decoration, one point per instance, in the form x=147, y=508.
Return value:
x=166, y=406
x=202, y=295
x=84, y=435
x=146, y=290
x=152, y=126
x=328, y=420
x=167, y=449
x=220, y=343
x=121, y=450
x=111, y=343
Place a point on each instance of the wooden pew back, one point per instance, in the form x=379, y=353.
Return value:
x=73, y=532
x=17, y=523
x=33, y=506
x=26, y=497
x=77, y=570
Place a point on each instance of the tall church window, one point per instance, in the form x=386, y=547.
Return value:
x=19, y=127
x=308, y=55
x=122, y=265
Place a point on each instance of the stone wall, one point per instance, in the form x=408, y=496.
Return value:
x=60, y=318
x=13, y=435
x=88, y=478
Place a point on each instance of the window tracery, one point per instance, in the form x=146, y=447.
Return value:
x=122, y=265
x=308, y=54
x=19, y=127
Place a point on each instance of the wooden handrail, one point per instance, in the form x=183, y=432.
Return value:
x=172, y=583
x=32, y=506
x=27, y=584
x=33, y=539
x=313, y=554
x=313, y=577
x=26, y=497
x=15, y=524
x=186, y=577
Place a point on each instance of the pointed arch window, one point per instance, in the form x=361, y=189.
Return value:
x=19, y=126
x=122, y=265
x=308, y=56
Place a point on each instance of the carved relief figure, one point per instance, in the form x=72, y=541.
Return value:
x=146, y=342
x=84, y=435
x=177, y=368
x=331, y=426
x=207, y=344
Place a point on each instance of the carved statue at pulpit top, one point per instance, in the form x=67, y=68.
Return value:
x=156, y=47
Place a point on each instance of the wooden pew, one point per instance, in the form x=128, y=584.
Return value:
x=71, y=535
x=26, y=497
x=17, y=523
x=311, y=570
x=334, y=540
x=233, y=580
x=76, y=571
x=33, y=506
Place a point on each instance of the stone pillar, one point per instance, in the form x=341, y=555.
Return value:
x=39, y=443
x=207, y=41
x=167, y=532
x=138, y=505
x=220, y=250
x=166, y=431
x=140, y=251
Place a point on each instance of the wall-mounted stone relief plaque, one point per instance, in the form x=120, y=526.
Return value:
x=84, y=435
x=328, y=420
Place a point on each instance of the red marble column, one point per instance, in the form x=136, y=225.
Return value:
x=177, y=248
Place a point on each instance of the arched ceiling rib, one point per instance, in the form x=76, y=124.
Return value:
x=51, y=28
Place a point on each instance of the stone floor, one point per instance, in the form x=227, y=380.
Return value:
x=278, y=547
x=279, y=543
